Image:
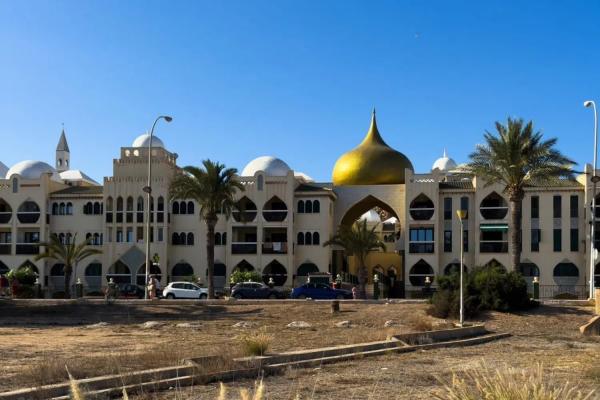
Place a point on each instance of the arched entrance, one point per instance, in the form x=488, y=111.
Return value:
x=276, y=271
x=385, y=221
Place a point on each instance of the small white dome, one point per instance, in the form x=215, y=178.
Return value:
x=303, y=176
x=444, y=163
x=3, y=170
x=392, y=220
x=271, y=166
x=29, y=169
x=370, y=216
x=144, y=141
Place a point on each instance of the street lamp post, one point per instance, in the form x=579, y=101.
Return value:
x=595, y=179
x=461, y=215
x=148, y=190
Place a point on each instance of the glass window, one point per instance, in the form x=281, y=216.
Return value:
x=557, y=205
x=421, y=240
x=574, y=206
x=575, y=239
x=464, y=205
x=129, y=235
x=557, y=240
x=447, y=241
x=447, y=208
x=535, y=239
x=535, y=207
x=465, y=240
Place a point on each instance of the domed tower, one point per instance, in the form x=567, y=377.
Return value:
x=63, y=155
x=444, y=163
x=373, y=162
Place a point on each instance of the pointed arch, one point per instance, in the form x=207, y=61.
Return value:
x=243, y=266
x=493, y=206
x=274, y=210
x=367, y=203
x=421, y=208
x=419, y=272
x=300, y=207
x=276, y=271
x=245, y=210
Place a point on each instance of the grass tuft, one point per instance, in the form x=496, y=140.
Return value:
x=255, y=343
x=507, y=383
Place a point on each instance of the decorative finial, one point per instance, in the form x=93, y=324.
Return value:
x=374, y=112
x=445, y=156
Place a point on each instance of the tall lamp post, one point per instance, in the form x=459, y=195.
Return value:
x=148, y=191
x=461, y=216
x=595, y=179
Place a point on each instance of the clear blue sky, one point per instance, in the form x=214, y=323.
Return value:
x=293, y=79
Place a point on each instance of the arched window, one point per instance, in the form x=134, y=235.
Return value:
x=97, y=241
x=161, y=204
x=68, y=238
x=69, y=208
x=245, y=210
x=300, y=239
x=566, y=273
x=182, y=208
x=15, y=185
x=300, y=206
x=93, y=277
x=308, y=207
x=175, y=238
x=119, y=203
x=57, y=269
x=140, y=204
x=307, y=268
x=61, y=238
x=493, y=207
x=54, y=208
x=307, y=238
x=316, y=206
x=182, y=238
x=316, y=238
x=454, y=268
x=62, y=209
x=274, y=210
x=421, y=208
x=419, y=272
x=88, y=237
x=190, y=207
x=190, y=239
x=243, y=266
x=260, y=182
x=182, y=270
x=175, y=207
x=97, y=209
x=129, y=203
x=119, y=272
x=109, y=203
x=5, y=212
x=28, y=212
x=217, y=239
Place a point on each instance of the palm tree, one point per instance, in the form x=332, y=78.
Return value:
x=517, y=157
x=69, y=254
x=358, y=240
x=213, y=186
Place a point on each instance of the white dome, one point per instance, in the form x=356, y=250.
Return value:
x=29, y=169
x=444, y=163
x=144, y=141
x=271, y=166
x=3, y=170
x=303, y=176
x=370, y=216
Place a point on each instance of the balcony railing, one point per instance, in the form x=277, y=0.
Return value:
x=564, y=292
x=5, y=217
x=274, y=215
x=28, y=217
x=28, y=248
x=421, y=247
x=421, y=213
x=493, y=246
x=275, y=248
x=5, y=248
x=493, y=212
x=244, y=216
x=243, y=248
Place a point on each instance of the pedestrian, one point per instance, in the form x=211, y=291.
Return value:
x=14, y=287
x=151, y=287
x=354, y=292
x=158, y=288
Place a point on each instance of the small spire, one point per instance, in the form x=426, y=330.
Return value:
x=62, y=142
x=373, y=136
x=445, y=156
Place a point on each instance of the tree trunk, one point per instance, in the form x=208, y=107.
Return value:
x=211, y=221
x=363, y=275
x=516, y=202
x=68, y=272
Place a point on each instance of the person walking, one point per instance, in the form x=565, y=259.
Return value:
x=158, y=288
x=354, y=292
x=151, y=287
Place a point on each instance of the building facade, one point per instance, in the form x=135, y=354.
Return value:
x=284, y=217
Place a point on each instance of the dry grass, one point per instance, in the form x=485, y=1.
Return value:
x=507, y=383
x=255, y=343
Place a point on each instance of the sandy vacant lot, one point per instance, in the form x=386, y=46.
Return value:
x=39, y=340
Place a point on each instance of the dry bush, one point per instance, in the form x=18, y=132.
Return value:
x=255, y=343
x=484, y=382
x=421, y=323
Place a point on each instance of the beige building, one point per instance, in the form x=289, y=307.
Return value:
x=285, y=217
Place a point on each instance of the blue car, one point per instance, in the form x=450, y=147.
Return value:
x=319, y=291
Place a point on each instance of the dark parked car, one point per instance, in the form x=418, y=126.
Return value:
x=254, y=290
x=130, y=291
x=319, y=291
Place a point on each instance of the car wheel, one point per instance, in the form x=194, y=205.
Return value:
x=302, y=296
x=170, y=296
x=339, y=297
x=203, y=296
x=272, y=296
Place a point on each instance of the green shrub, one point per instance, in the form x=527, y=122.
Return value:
x=245, y=276
x=485, y=288
x=25, y=276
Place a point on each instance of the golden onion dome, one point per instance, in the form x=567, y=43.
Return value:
x=373, y=162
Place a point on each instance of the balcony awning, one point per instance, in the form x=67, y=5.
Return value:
x=494, y=227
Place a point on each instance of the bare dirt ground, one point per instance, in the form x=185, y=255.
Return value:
x=38, y=341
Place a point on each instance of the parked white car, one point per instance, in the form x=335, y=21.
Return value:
x=184, y=290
